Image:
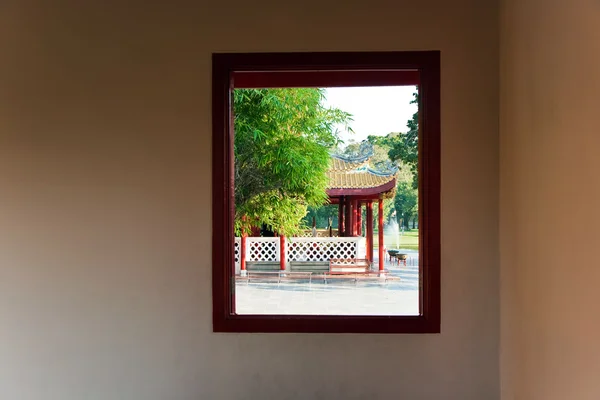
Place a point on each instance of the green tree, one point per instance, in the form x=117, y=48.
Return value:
x=322, y=216
x=406, y=203
x=405, y=147
x=281, y=147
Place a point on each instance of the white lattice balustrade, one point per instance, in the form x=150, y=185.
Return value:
x=324, y=249
x=236, y=254
x=300, y=249
x=262, y=249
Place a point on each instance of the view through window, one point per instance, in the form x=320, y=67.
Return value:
x=326, y=196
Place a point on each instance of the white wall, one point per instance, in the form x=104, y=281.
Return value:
x=105, y=220
x=550, y=196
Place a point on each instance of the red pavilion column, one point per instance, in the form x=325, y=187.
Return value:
x=282, y=254
x=370, y=230
x=341, y=216
x=243, y=250
x=359, y=219
x=380, y=227
x=348, y=221
x=243, y=254
x=354, y=218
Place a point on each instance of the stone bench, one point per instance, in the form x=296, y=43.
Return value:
x=262, y=265
x=313, y=266
x=278, y=276
x=349, y=265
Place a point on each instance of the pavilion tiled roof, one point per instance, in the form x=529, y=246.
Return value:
x=355, y=174
x=339, y=164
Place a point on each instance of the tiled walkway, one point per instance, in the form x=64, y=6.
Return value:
x=343, y=297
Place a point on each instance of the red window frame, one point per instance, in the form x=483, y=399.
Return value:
x=333, y=69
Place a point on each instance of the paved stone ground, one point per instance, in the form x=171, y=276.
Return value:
x=342, y=297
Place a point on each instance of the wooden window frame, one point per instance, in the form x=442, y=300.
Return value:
x=326, y=69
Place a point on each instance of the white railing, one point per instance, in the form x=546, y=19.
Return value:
x=262, y=249
x=236, y=254
x=300, y=249
x=324, y=249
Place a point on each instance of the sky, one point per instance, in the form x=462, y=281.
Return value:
x=375, y=110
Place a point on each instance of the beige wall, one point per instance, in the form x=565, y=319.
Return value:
x=105, y=204
x=550, y=196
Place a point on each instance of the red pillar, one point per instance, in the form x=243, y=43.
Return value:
x=341, y=216
x=352, y=218
x=370, y=230
x=348, y=217
x=282, y=253
x=243, y=253
x=359, y=219
x=380, y=227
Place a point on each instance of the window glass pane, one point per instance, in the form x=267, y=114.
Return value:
x=326, y=201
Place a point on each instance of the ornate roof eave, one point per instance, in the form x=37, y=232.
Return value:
x=390, y=172
x=353, y=160
x=382, y=190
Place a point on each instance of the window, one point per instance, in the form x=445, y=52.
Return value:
x=305, y=263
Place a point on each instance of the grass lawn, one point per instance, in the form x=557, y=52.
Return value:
x=409, y=240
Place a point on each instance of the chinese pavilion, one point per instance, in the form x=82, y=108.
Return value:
x=352, y=184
